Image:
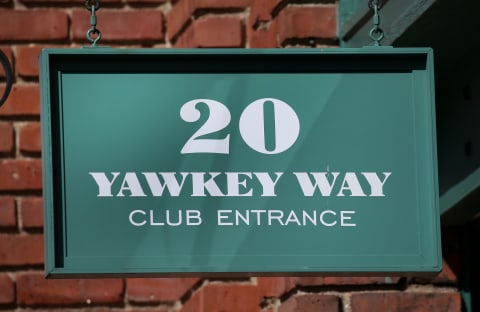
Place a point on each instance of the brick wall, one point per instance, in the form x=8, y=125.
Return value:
x=26, y=26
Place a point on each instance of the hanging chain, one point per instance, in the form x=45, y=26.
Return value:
x=376, y=33
x=93, y=6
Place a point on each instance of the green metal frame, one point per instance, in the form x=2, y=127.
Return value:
x=414, y=66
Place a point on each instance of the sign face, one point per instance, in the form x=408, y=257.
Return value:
x=248, y=162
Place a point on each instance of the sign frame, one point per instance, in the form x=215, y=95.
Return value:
x=416, y=63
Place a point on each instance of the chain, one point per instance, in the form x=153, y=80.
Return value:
x=376, y=33
x=93, y=6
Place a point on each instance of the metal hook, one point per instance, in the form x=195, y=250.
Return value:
x=371, y=4
x=93, y=6
x=90, y=5
x=376, y=33
x=94, y=40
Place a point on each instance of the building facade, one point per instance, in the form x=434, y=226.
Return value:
x=27, y=26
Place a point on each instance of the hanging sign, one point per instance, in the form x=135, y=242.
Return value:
x=250, y=162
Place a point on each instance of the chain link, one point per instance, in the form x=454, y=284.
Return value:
x=376, y=33
x=371, y=4
x=93, y=6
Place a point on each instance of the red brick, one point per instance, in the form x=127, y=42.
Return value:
x=149, y=309
x=21, y=250
x=27, y=60
x=262, y=30
x=264, y=37
x=8, y=52
x=30, y=138
x=20, y=174
x=32, y=212
x=307, y=21
x=34, y=289
x=261, y=11
x=212, y=32
x=24, y=100
x=224, y=297
x=6, y=137
x=144, y=290
x=311, y=303
x=402, y=301
x=79, y=2
x=8, y=216
x=183, y=10
x=139, y=25
x=27, y=25
x=7, y=290
x=275, y=286
x=146, y=1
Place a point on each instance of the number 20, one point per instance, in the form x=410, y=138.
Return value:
x=251, y=126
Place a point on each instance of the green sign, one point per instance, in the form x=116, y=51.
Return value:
x=211, y=162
